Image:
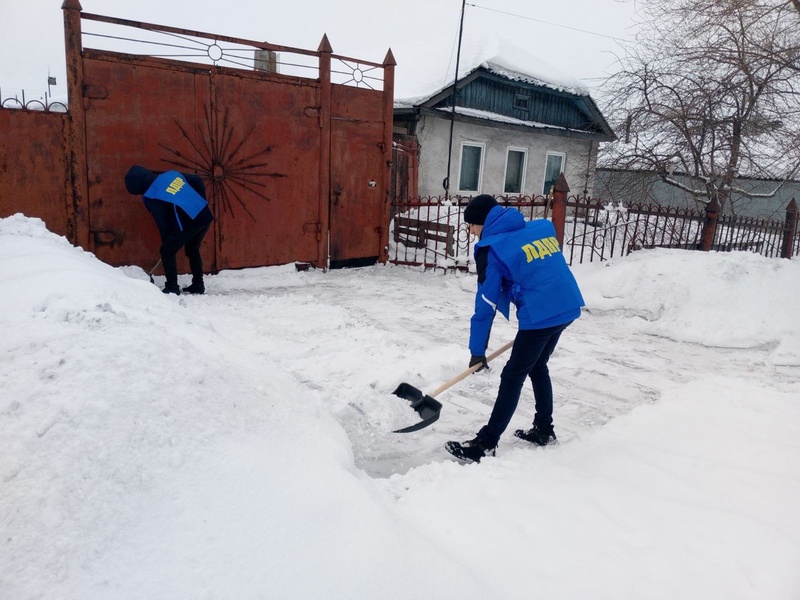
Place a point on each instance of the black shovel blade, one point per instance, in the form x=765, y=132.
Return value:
x=427, y=407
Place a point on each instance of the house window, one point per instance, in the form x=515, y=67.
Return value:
x=469, y=179
x=515, y=170
x=521, y=101
x=555, y=166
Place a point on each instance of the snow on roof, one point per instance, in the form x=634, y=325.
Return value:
x=424, y=70
x=490, y=116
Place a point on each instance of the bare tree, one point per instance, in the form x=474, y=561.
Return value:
x=711, y=92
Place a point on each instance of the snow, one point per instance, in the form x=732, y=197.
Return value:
x=490, y=116
x=424, y=70
x=239, y=444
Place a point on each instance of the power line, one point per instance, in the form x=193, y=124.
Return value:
x=611, y=37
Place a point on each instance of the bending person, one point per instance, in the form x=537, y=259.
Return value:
x=178, y=205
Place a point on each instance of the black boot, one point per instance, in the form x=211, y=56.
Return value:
x=470, y=451
x=197, y=287
x=172, y=288
x=538, y=434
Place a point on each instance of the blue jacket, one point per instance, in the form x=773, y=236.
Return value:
x=520, y=261
x=187, y=210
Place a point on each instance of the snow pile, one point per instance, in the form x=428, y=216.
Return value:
x=729, y=300
x=134, y=438
x=239, y=444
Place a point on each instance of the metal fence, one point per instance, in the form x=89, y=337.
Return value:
x=430, y=232
x=44, y=103
x=137, y=39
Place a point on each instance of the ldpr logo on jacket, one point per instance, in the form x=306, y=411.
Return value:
x=541, y=248
x=173, y=188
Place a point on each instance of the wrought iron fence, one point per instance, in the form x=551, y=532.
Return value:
x=430, y=232
x=135, y=38
x=596, y=230
x=21, y=102
x=760, y=236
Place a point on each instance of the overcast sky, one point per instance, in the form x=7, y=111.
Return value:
x=32, y=39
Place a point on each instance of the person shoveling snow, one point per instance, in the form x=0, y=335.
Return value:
x=519, y=262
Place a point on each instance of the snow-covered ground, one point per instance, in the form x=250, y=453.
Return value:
x=239, y=445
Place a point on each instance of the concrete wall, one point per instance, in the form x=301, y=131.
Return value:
x=648, y=188
x=433, y=137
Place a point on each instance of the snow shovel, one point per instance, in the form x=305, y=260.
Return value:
x=426, y=405
x=153, y=271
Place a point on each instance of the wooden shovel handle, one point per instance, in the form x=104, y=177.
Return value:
x=471, y=370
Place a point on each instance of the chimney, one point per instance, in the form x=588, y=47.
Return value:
x=266, y=60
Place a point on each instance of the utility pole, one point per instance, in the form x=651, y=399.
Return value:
x=446, y=182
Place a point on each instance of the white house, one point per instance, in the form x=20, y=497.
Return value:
x=516, y=125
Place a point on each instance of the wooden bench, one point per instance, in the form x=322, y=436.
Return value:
x=416, y=233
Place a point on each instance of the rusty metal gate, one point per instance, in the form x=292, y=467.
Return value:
x=294, y=145
x=358, y=207
x=405, y=167
x=248, y=156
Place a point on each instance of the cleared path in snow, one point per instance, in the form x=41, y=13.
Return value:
x=604, y=367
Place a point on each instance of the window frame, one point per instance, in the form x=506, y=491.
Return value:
x=482, y=147
x=523, y=169
x=550, y=153
x=521, y=102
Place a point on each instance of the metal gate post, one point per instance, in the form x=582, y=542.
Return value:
x=560, y=190
x=78, y=186
x=709, y=226
x=790, y=230
x=323, y=234
x=388, y=121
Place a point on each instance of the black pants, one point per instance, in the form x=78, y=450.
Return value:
x=529, y=355
x=189, y=240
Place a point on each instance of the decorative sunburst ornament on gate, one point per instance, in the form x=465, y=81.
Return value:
x=222, y=162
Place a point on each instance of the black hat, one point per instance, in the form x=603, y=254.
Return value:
x=138, y=180
x=478, y=208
